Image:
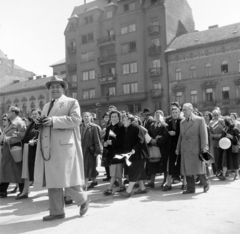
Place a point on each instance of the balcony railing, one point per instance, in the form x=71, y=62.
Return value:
x=72, y=67
x=154, y=29
x=72, y=50
x=106, y=40
x=154, y=50
x=107, y=59
x=108, y=78
x=155, y=93
x=72, y=85
x=155, y=71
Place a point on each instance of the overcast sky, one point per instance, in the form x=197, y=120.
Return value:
x=31, y=31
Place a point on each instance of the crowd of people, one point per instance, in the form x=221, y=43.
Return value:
x=60, y=149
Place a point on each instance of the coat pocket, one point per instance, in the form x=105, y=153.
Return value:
x=66, y=141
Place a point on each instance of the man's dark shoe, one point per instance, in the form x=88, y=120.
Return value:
x=141, y=191
x=136, y=186
x=187, y=192
x=93, y=184
x=116, y=183
x=84, y=207
x=167, y=187
x=206, y=187
x=126, y=182
x=3, y=195
x=53, y=217
x=14, y=190
x=150, y=185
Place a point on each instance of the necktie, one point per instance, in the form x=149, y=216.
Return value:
x=174, y=124
x=50, y=106
x=187, y=119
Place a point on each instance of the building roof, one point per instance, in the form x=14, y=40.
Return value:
x=60, y=62
x=29, y=84
x=205, y=37
x=2, y=55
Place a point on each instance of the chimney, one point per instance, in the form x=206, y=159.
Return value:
x=44, y=76
x=16, y=81
x=30, y=78
x=38, y=77
x=213, y=26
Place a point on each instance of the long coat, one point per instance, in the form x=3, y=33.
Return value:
x=172, y=145
x=10, y=170
x=91, y=147
x=192, y=139
x=117, y=142
x=60, y=145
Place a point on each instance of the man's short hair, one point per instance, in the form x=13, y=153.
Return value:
x=130, y=116
x=15, y=109
x=176, y=104
x=189, y=105
x=175, y=108
x=113, y=107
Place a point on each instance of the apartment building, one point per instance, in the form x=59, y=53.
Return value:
x=204, y=68
x=115, y=52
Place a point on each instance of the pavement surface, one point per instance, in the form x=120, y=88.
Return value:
x=217, y=211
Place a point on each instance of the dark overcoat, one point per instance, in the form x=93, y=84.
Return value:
x=91, y=147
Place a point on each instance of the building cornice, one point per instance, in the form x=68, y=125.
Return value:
x=22, y=90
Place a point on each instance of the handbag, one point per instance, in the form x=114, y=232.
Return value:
x=235, y=149
x=16, y=152
x=155, y=154
x=104, y=162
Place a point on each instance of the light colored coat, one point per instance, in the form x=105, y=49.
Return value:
x=61, y=144
x=192, y=139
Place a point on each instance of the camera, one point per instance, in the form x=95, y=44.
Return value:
x=41, y=119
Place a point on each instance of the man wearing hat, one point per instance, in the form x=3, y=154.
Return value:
x=59, y=159
x=148, y=119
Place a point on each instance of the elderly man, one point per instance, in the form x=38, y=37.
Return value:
x=59, y=160
x=192, y=140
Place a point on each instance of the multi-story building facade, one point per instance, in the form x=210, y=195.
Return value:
x=115, y=52
x=9, y=71
x=59, y=68
x=204, y=68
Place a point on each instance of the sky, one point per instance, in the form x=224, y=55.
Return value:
x=32, y=31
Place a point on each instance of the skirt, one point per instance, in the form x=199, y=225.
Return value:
x=116, y=170
x=136, y=171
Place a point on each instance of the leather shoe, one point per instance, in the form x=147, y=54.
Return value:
x=52, y=217
x=93, y=184
x=84, y=207
x=139, y=191
x=125, y=194
x=150, y=185
x=167, y=187
x=22, y=197
x=187, y=192
x=206, y=187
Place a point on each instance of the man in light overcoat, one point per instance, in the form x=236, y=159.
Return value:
x=192, y=140
x=59, y=159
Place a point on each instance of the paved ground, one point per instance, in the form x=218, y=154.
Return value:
x=217, y=211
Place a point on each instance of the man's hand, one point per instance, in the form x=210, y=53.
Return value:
x=109, y=142
x=105, y=144
x=172, y=133
x=48, y=121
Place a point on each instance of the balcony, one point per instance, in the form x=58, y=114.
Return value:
x=107, y=59
x=107, y=40
x=72, y=85
x=154, y=29
x=107, y=78
x=155, y=71
x=154, y=50
x=72, y=50
x=72, y=67
x=156, y=93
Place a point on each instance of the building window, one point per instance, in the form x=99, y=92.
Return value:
x=128, y=47
x=87, y=94
x=87, y=38
x=89, y=75
x=130, y=68
x=208, y=69
x=74, y=78
x=239, y=65
x=109, y=14
x=209, y=95
x=128, y=29
x=156, y=63
x=155, y=42
x=154, y=21
x=110, y=32
x=179, y=97
x=157, y=86
x=88, y=19
x=130, y=88
x=157, y=106
x=129, y=7
x=225, y=93
x=194, y=96
x=192, y=72
x=85, y=57
x=111, y=71
x=178, y=74
x=73, y=44
x=112, y=91
x=224, y=67
x=134, y=108
x=74, y=95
